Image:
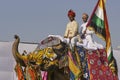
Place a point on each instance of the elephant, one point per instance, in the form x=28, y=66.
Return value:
x=29, y=66
x=59, y=61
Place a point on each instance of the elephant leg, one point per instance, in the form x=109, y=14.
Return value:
x=57, y=74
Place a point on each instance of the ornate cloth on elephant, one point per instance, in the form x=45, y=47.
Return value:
x=98, y=66
x=31, y=74
x=44, y=75
x=72, y=66
x=48, y=42
x=20, y=72
x=83, y=60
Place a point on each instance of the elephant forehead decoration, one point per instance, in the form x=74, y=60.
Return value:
x=38, y=56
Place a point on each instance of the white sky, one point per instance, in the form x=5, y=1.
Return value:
x=33, y=20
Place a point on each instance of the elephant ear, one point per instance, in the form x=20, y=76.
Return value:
x=63, y=62
x=48, y=42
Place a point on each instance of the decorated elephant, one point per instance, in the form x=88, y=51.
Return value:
x=30, y=66
x=61, y=63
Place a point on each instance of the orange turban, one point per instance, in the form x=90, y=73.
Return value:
x=71, y=13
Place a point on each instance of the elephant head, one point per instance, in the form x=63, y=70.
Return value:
x=43, y=57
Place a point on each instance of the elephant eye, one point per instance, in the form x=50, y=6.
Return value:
x=49, y=51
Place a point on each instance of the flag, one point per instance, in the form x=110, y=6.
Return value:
x=99, y=23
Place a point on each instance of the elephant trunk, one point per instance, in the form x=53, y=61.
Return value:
x=18, y=57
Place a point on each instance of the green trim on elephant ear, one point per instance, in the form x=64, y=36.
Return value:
x=113, y=66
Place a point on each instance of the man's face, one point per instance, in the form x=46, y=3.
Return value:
x=84, y=18
x=71, y=18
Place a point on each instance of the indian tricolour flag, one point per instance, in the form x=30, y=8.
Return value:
x=99, y=23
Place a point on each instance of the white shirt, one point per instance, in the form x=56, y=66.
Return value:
x=83, y=28
x=88, y=42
